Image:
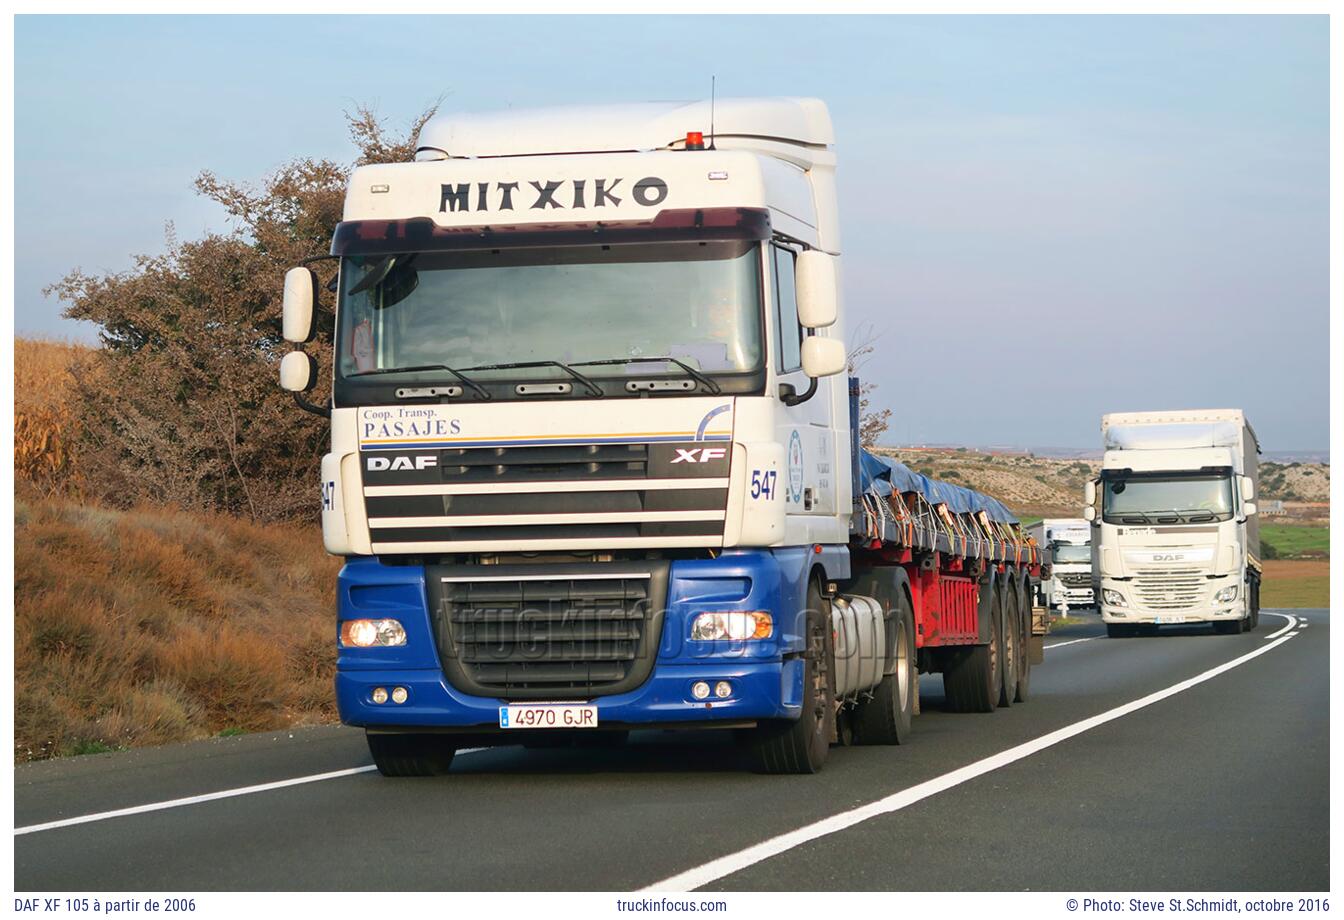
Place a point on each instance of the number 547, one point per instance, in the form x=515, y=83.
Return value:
x=763, y=483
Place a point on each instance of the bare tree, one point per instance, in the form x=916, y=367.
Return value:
x=873, y=423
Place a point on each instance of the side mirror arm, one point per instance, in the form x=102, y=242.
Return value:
x=791, y=397
x=306, y=406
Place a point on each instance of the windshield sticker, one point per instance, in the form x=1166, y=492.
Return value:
x=361, y=346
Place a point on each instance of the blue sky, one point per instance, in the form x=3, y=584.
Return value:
x=1125, y=212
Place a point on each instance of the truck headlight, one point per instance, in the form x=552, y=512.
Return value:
x=733, y=624
x=371, y=633
x=1113, y=598
x=1227, y=594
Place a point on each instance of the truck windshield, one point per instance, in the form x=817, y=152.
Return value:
x=698, y=302
x=1067, y=553
x=1167, y=499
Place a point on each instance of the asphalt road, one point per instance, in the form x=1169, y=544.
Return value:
x=1218, y=785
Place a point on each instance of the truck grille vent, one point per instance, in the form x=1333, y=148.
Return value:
x=1075, y=580
x=1169, y=589
x=584, y=496
x=534, y=636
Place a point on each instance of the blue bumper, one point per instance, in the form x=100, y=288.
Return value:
x=765, y=675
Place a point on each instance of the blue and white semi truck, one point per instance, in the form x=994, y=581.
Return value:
x=593, y=459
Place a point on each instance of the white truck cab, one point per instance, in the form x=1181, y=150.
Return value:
x=1174, y=520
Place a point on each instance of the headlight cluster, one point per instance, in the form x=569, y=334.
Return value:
x=733, y=624
x=1227, y=594
x=1113, y=598
x=372, y=633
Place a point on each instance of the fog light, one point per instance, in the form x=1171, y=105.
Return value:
x=699, y=689
x=1227, y=594
x=370, y=633
x=1113, y=598
x=723, y=689
x=379, y=695
x=733, y=624
x=399, y=695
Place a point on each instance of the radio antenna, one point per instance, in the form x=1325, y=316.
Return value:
x=711, y=111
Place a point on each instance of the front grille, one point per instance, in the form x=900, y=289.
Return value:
x=1169, y=589
x=583, y=496
x=1075, y=580
x=548, y=631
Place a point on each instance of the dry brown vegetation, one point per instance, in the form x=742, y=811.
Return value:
x=46, y=425
x=153, y=625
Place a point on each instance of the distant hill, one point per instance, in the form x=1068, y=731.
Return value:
x=1035, y=486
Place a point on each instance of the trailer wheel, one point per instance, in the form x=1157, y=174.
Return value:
x=1024, y=648
x=1008, y=638
x=887, y=718
x=410, y=755
x=801, y=746
x=973, y=675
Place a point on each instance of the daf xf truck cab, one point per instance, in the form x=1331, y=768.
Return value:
x=1174, y=521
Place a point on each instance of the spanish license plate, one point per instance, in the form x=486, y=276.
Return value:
x=548, y=716
x=1169, y=619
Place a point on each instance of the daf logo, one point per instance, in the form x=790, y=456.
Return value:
x=699, y=454
x=1168, y=557
x=380, y=464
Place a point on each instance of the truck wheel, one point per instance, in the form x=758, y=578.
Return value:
x=887, y=717
x=1008, y=637
x=972, y=677
x=1024, y=647
x=801, y=746
x=410, y=755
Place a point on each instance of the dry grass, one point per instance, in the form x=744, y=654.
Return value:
x=155, y=625
x=45, y=425
x=1295, y=583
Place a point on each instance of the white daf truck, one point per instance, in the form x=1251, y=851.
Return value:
x=1174, y=521
x=594, y=462
x=1067, y=543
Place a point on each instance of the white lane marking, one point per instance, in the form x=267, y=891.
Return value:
x=736, y=862
x=207, y=797
x=1071, y=642
x=1292, y=621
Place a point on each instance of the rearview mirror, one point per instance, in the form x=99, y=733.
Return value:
x=1247, y=488
x=1089, y=513
x=299, y=321
x=1248, y=508
x=298, y=372
x=1090, y=493
x=823, y=357
x=816, y=289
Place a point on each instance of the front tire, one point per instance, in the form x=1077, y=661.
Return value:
x=801, y=746
x=888, y=717
x=410, y=755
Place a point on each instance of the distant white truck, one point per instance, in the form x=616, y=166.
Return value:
x=1174, y=521
x=1067, y=542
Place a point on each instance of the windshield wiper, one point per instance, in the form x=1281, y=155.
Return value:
x=465, y=380
x=588, y=384
x=1136, y=517
x=707, y=382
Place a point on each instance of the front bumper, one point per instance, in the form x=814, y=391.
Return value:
x=761, y=690
x=1235, y=610
x=766, y=675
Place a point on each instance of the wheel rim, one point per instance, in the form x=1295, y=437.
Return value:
x=902, y=665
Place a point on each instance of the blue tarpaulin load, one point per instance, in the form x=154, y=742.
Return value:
x=882, y=475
